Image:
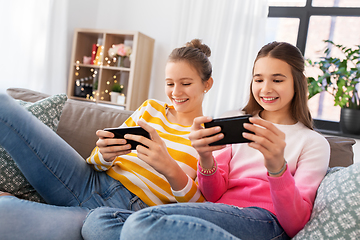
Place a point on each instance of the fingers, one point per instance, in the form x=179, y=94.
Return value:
x=264, y=132
x=199, y=121
x=104, y=134
x=201, y=137
x=266, y=127
x=153, y=134
x=111, y=147
x=268, y=139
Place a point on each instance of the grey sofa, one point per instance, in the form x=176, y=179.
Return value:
x=340, y=188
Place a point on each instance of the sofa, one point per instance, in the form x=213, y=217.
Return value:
x=336, y=213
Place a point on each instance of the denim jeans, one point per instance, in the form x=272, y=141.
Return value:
x=58, y=173
x=202, y=221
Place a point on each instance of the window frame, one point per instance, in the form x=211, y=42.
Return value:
x=304, y=13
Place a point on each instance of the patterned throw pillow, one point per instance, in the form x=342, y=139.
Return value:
x=48, y=111
x=336, y=213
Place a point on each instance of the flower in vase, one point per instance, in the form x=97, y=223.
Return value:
x=119, y=50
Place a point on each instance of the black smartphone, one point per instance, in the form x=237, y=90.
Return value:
x=232, y=128
x=120, y=132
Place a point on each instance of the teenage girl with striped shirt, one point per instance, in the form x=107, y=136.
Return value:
x=120, y=181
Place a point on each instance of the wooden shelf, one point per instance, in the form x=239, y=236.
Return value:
x=135, y=76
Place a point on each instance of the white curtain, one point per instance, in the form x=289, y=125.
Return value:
x=33, y=40
x=235, y=31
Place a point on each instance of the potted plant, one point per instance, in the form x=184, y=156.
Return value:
x=115, y=93
x=340, y=77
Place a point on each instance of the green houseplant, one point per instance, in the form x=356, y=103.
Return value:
x=117, y=88
x=340, y=77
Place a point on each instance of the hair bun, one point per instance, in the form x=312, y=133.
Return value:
x=196, y=43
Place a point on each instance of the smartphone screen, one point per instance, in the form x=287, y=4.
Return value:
x=120, y=132
x=232, y=128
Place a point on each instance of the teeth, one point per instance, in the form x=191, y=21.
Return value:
x=269, y=98
x=179, y=100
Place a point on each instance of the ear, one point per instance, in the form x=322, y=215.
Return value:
x=208, y=84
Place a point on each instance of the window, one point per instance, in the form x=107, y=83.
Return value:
x=306, y=23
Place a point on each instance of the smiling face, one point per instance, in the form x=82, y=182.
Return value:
x=184, y=88
x=273, y=88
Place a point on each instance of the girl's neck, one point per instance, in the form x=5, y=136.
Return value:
x=283, y=118
x=184, y=119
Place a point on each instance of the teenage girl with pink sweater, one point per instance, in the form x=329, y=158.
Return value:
x=264, y=189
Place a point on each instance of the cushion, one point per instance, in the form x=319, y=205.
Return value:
x=341, y=151
x=336, y=213
x=26, y=94
x=12, y=180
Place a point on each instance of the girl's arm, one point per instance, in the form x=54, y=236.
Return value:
x=157, y=156
x=104, y=154
x=214, y=185
x=292, y=196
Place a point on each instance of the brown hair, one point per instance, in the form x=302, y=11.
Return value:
x=292, y=56
x=197, y=55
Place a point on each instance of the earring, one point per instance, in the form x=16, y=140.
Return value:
x=205, y=91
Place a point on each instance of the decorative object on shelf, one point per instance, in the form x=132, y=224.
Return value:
x=120, y=53
x=84, y=87
x=340, y=77
x=121, y=99
x=116, y=90
x=86, y=60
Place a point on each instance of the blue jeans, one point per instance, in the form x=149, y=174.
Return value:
x=59, y=174
x=202, y=221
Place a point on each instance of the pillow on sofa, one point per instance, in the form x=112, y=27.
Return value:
x=336, y=213
x=12, y=180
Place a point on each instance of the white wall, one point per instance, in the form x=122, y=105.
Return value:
x=156, y=18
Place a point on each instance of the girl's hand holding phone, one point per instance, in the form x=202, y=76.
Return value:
x=157, y=156
x=269, y=140
x=155, y=153
x=200, y=140
x=111, y=147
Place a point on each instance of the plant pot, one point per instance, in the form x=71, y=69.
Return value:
x=350, y=121
x=114, y=96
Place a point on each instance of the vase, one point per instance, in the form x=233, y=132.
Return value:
x=114, y=96
x=120, y=61
x=350, y=121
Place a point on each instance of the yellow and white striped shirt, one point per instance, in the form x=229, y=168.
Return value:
x=139, y=177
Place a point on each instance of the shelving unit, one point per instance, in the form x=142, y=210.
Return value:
x=90, y=82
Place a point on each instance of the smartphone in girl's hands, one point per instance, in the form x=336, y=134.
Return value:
x=232, y=128
x=120, y=132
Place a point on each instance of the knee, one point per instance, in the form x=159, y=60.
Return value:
x=6, y=203
x=90, y=228
x=8, y=210
x=104, y=223
x=140, y=224
x=4, y=99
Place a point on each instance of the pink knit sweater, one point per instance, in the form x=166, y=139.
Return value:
x=242, y=179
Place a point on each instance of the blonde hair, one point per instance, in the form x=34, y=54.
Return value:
x=197, y=55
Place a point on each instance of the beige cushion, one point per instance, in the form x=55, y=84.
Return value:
x=79, y=120
x=26, y=94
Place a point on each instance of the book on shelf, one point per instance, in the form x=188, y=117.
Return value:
x=93, y=53
x=99, y=56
